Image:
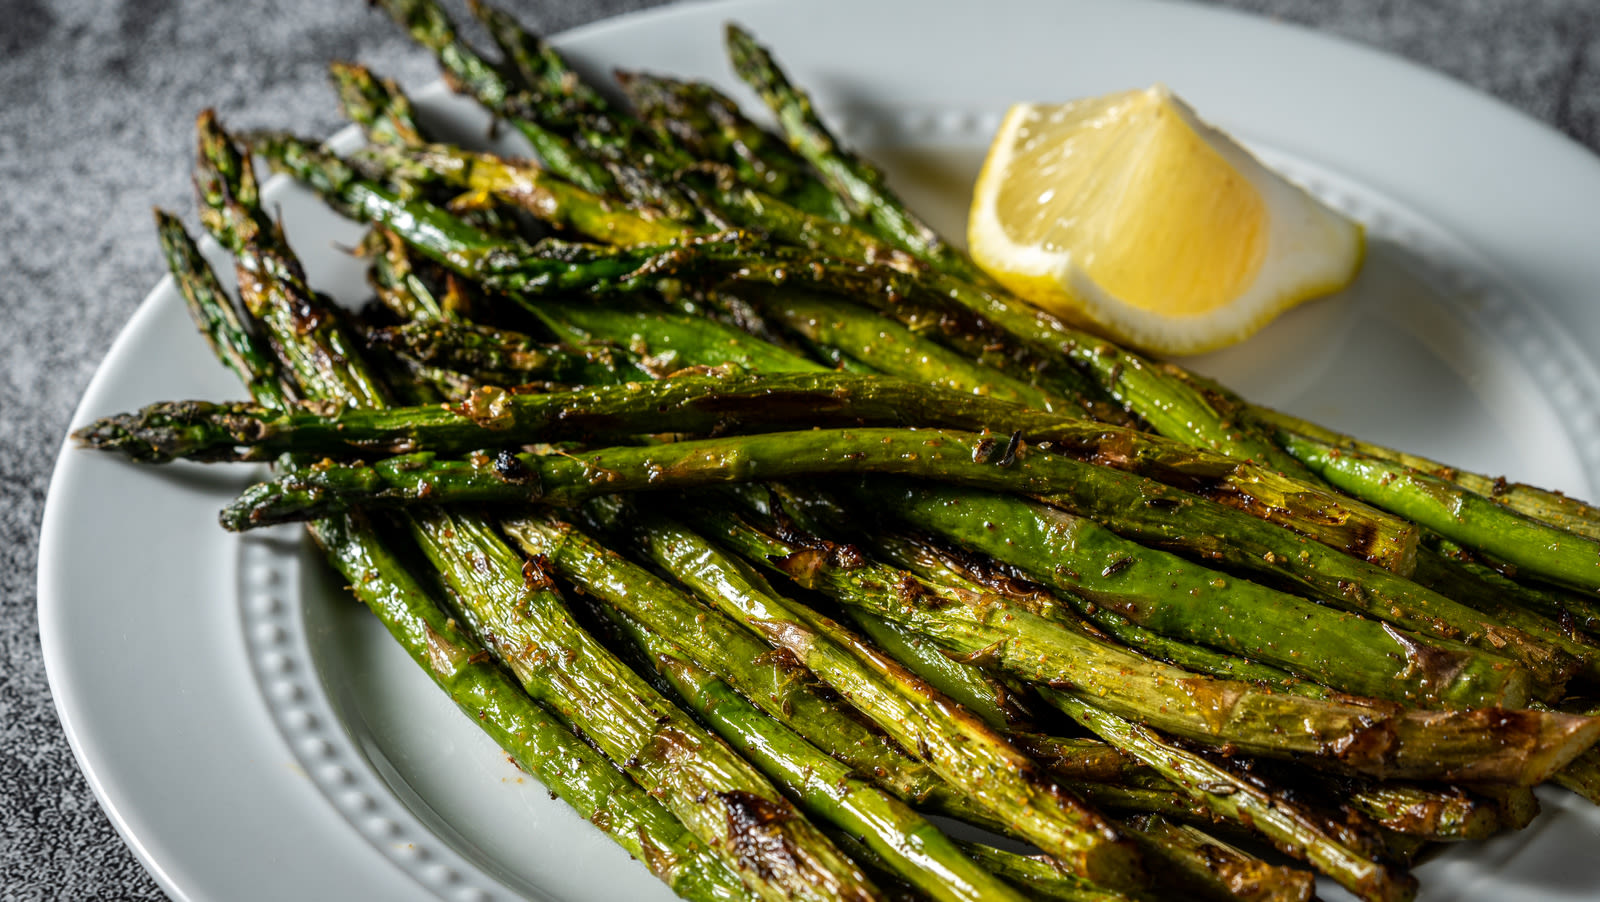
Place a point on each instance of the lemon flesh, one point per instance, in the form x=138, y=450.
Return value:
x=1128, y=214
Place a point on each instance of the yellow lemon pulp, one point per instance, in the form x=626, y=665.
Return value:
x=1130, y=215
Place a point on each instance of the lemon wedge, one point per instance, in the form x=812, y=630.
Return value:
x=1130, y=216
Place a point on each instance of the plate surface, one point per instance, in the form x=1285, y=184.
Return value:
x=254, y=735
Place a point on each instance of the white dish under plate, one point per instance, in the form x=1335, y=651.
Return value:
x=254, y=735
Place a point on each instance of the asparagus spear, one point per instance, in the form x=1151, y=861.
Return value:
x=1090, y=574
x=466, y=71
x=1041, y=876
x=378, y=106
x=1450, y=569
x=553, y=200
x=541, y=745
x=1356, y=736
x=502, y=357
x=736, y=656
x=1222, y=871
x=213, y=313
x=967, y=686
x=936, y=566
x=956, y=744
x=1582, y=776
x=537, y=65
x=941, y=571
x=271, y=282
x=703, y=121
x=894, y=350
x=561, y=204
x=1157, y=516
x=741, y=403
x=1152, y=588
x=548, y=126
x=717, y=795
x=396, y=282
x=1185, y=860
x=1442, y=814
x=858, y=182
x=827, y=789
x=581, y=776
x=1290, y=828
x=1553, y=508
x=1533, y=547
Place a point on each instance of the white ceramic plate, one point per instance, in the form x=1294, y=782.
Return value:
x=254, y=735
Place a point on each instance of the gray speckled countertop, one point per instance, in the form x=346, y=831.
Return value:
x=96, y=101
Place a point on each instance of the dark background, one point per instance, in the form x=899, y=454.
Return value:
x=96, y=101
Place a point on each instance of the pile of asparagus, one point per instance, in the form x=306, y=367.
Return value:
x=775, y=538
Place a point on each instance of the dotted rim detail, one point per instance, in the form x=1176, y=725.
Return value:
x=272, y=620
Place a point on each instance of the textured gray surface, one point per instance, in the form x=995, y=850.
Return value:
x=96, y=101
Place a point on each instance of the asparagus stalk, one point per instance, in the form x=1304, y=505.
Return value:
x=502, y=357
x=1442, y=815
x=515, y=607
x=396, y=281
x=562, y=204
x=548, y=122
x=1093, y=575
x=1447, y=814
x=468, y=72
x=827, y=789
x=968, y=686
x=894, y=350
x=704, y=122
x=940, y=569
x=1040, y=875
x=1291, y=829
x=1152, y=588
x=538, y=66
x=1533, y=547
x=1217, y=869
x=214, y=315
x=1553, y=508
x=541, y=745
x=1352, y=735
x=937, y=566
x=1164, y=518
x=378, y=106
x=743, y=404
x=1582, y=776
x=1453, y=570
x=553, y=200
x=581, y=776
x=956, y=744
x=271, y=282
x=861, y=185
x=736, y=656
